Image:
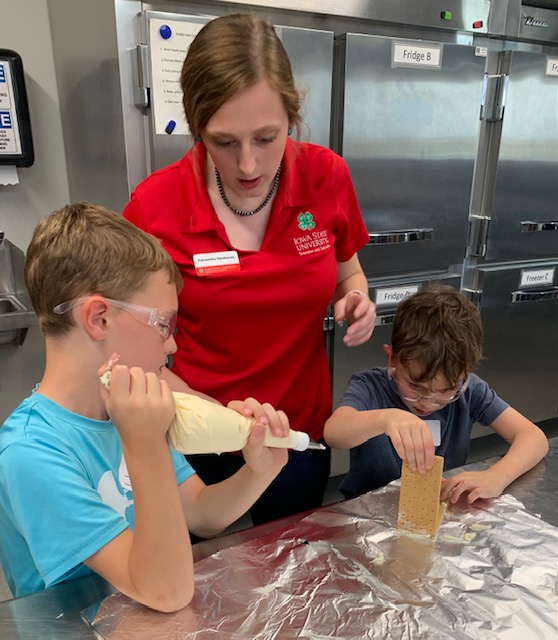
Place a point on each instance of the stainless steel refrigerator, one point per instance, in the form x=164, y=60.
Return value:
x=445, y=111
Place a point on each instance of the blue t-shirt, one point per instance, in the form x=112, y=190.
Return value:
x=375, y=463
x=64, y=493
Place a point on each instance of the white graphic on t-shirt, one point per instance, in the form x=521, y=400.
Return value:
x=124, y=476
x=111, y=495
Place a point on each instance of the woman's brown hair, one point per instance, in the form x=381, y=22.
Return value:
x=228, y=55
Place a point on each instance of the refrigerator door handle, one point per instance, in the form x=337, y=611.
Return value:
x=529, y=225
x=529, y=296
x=382, y=320
x=398, y=236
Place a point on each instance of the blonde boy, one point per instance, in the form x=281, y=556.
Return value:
x=88, y=481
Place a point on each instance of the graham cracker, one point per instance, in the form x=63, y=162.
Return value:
x=420, y=509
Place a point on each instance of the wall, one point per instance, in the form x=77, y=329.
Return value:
x=25, y=28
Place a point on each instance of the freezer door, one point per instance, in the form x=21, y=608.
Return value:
x=311, y=55
x=409, y=136
x=524, y=222
x=520, y=321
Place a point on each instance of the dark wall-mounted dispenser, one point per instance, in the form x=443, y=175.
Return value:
x=16, y=142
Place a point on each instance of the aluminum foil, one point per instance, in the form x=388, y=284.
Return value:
x=345, y=572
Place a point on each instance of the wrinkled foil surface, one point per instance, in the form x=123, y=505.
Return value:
x=345, y=572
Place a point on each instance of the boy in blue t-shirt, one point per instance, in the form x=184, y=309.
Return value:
x=88, y=481
x=436, y=344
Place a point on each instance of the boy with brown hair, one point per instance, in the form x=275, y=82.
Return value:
x=88, y=481
x=436, y=344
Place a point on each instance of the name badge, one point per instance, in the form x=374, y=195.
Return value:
x=209, y=264
x=434, y=426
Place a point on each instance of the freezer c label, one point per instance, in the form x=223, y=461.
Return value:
x=552, y=67
x=536, y=277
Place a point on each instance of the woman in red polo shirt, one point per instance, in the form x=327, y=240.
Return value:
x=265, y=232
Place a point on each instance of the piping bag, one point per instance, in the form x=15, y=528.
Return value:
x=200, y=426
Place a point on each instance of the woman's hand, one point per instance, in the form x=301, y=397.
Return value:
x=360, y=313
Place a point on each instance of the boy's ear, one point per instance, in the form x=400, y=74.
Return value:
x=388, y=350
x=93, y=317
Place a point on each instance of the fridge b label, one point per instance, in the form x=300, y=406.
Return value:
x=411, y=54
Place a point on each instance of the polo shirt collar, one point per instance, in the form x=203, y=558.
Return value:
x=295, y=187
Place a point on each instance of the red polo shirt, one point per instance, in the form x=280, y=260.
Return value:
x=257, y=328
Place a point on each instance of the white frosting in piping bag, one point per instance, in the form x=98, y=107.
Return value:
x=201, y=426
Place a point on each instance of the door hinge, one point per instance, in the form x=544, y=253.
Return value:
x=143, y=75
x=474, y=295
x=478, y=235
x=493, y=98
x=329, y=323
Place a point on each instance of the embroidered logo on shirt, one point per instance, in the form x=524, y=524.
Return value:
x=306, y=221
x=314, y=242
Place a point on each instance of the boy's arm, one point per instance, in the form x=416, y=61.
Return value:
x=153, y=564
x=410, y=436
x=211, y=508
x=528, y=446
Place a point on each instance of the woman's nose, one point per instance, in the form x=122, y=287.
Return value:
x=247, y=161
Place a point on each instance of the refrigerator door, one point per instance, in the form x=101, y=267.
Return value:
x=310, y=52
x=524, y=222
x=519, y=308
x=409, y=136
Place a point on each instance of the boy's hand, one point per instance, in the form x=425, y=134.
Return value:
x=264, y=414
x=473, y=484
x=411, y=438
x=140, y=405
x=259, y=458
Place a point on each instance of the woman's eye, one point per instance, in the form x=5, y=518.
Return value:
x=266, y=140
x=224, y=143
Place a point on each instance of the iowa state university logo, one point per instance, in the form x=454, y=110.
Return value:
x=312, y=241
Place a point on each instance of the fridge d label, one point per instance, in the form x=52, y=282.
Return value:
x=394, y=295
x=411, y=54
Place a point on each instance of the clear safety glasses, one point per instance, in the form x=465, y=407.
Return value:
x=164, y=323
x=436, y=399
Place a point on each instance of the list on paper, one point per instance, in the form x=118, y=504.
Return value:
x=169, y=41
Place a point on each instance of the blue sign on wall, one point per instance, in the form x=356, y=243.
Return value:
x=5, y=120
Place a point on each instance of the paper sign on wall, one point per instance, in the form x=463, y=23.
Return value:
x=169, y=41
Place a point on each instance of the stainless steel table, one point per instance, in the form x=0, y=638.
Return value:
x=55, y=613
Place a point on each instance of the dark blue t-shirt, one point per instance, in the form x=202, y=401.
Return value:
x=375, y=463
